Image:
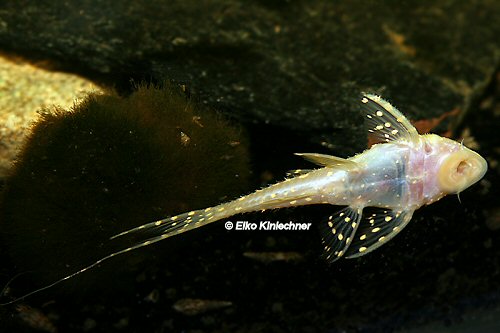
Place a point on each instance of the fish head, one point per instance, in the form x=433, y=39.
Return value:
x=457, y=167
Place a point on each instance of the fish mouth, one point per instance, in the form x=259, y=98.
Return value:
x=474, y=167
x=461, y=170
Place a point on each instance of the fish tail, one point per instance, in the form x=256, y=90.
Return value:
x=170, y=226
x=147, y=234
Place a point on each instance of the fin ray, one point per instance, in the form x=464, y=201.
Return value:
x=384, y=122
x=339, y=232
x=297, y=172
x=327, y=160
x=169, y=226
x=377, y=229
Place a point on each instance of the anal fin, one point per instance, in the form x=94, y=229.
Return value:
x=339, y=232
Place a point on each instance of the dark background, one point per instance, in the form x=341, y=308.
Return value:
x=289, y=72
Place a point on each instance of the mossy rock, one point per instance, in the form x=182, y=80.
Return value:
x=110, y=164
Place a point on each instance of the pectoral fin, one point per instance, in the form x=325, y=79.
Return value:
x=339, y=232
x=377, y=229
x=384, y=122
x=328, y=160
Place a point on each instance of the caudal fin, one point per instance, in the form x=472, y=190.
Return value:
x=147, y=234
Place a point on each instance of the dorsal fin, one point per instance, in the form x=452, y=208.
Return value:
x=327, y=160
x=384, y=122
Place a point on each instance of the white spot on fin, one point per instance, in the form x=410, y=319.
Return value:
x=337, y=234
x=384, y=122
x=376, y=230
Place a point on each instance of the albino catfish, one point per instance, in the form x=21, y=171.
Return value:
x=402, y=172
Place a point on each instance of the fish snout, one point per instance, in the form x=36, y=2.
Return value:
x=460, y=170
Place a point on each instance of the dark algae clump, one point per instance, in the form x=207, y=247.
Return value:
x=109, y=164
